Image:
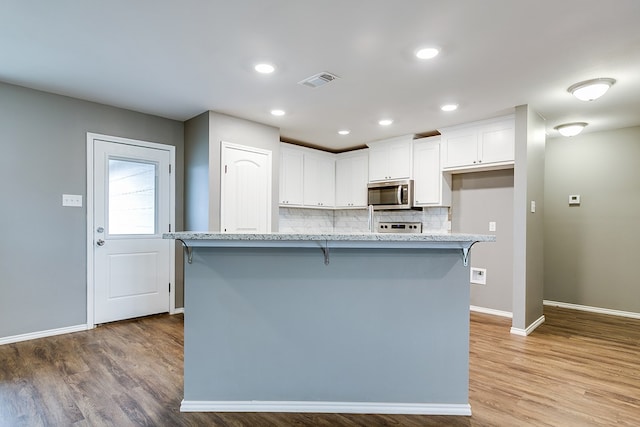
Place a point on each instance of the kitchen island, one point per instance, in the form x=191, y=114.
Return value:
x=359, y=323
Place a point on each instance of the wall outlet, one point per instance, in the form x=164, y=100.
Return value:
x=574, y=199
x=478, y=276
x=73, y=200
x=533, y=206
x=492, y=226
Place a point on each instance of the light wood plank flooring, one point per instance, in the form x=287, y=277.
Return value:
x=578, y=369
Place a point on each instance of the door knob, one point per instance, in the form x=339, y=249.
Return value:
x=100, y=242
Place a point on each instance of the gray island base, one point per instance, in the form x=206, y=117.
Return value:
x=327, y=323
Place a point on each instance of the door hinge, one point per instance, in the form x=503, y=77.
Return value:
x=225, y=168
x=169, y=287
x=169, y=228
x=169, y=168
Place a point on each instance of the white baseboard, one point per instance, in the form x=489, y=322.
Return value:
x=598, y=310
x=530, y=328
x=179, y=310
x=327, y=407
x=42, y=334
x=491, y=311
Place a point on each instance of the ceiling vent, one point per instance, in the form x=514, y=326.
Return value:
x=319, y=79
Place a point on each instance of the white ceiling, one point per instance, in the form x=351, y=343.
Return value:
x=177, y=59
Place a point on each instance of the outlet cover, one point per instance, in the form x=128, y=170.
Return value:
x=478, y=276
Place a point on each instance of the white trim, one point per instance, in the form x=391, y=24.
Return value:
x=463, y=409
x=530, y=328
x=591, y=309
x=178, y=310
x=91, y=137
x=491, y=311
x=42, y=334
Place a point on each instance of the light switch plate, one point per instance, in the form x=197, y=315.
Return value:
x=574, y=199
x=73, y=200
x=533, y=206
x=492, y=226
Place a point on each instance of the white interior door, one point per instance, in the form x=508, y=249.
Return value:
x=132, y=198
x=245, y=200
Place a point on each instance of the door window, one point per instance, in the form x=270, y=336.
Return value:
x=132, y=199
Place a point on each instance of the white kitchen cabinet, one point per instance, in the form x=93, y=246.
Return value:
x=291, y=175
x=390, y=159
x=483, y=145
x=352, y=175
x=319, y=179
x=431, y=186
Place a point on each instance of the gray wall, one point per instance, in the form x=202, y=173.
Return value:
x=478, y=198
x=43, y=248
x=196, y=174
x=528, y=263
x=202, y=207
x=591, y=255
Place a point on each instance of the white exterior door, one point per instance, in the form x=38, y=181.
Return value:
x=132, y=206
x=245, y=196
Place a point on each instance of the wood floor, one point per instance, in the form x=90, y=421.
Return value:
x=577, y=369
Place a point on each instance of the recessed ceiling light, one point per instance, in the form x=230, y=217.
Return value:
x=449, y=107
x=591, y=89
x=570, y=129
x=385, y=122
x=344, y=132
x=265, y=68
x=278, y=112
x=427, y=53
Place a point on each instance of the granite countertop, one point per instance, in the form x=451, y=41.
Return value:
x=334, y=237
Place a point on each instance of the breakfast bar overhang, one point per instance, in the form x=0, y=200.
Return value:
x=347, y=323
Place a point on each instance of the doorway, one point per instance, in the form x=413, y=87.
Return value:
x=130, y=204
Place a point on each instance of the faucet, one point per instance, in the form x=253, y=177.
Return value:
x=370, y=219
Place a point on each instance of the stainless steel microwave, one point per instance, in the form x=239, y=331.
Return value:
x=391, y=194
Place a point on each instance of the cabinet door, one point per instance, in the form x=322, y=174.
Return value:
x=497, y=142
x=400, y=160
x=291, y=189
x=379, y=164
x=359, y=180
x=426, y=173
x=461, y=148
x=319, y=180
x=351, y=181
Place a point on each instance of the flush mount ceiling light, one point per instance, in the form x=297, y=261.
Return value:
x=427, y=53
x=570, y=129
x=344, y=132
x=385, y=122
x=589, y=90
x=265, y=68
x=278, y=112
x=449, y=107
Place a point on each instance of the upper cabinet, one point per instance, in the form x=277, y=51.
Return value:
x=431, y=186
x=291, y=166
x=484, y=145
x=352, y=175
x=307, y=177
x=319, y=179
x=390, y=159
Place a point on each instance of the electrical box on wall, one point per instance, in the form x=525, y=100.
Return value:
x=478, y=276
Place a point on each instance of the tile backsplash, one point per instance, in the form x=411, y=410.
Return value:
x=299, y=220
